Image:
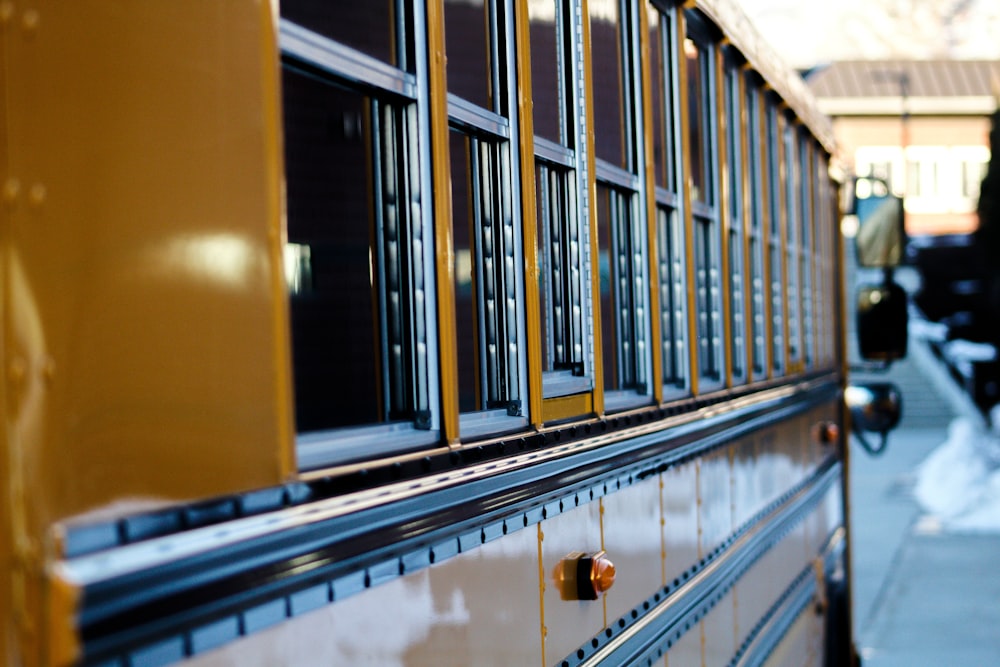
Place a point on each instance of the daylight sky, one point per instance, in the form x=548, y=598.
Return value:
x=811, y=32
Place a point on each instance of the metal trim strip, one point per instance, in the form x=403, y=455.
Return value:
x=663, y=619
x=142, y=593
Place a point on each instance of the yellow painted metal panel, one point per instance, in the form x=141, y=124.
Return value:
x=799, y=646
x=477, y=608
x=746, y=500
x=567, y=407
x=720, y=633
x=632, y=538
x=146, y=295
x=646, y=81
x=444, y=248
x=532, y=270
x=680, y=522
x=688, y=651
x=715, y=499
x=570, y=623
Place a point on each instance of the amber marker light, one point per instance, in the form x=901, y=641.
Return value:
x=602, y=573
x=826, y=433
x=580, y=576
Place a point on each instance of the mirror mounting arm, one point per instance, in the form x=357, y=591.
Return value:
x=873, y=450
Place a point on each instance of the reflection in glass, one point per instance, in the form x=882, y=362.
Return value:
x=673, y=316
x=548, y=64
x=699, y=95
x=468, y=24
x=334, y=329
x=367, y=26
x=612, y=87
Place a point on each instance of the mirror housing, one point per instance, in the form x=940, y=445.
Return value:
x=875, y=407
x=881, y=237
x=882, y=321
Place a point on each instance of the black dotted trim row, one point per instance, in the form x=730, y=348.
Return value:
x=310, y=595
x=85, y=539
x=689, y=619
x=768, y=643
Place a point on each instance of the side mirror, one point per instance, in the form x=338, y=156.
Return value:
x=881, y=236
x=882, y=321
x=875, y=407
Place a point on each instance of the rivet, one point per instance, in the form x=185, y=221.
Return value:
x=11, y=190
x=16, y=370
x=30, y=20
x=36, y=195
x=49, y=369
x=6, y=12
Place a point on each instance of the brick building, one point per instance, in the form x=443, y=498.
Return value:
x=923, y=125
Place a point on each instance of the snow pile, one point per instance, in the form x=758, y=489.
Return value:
x=936, y=332
x=959, y=483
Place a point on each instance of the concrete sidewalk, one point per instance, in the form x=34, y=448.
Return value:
x=922, y=597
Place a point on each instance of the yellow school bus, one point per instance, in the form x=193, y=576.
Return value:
x=416, y=332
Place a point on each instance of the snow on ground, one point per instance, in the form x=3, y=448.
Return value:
x=959, y=482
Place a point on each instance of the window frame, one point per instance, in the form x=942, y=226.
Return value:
x=671, y=232
x=757, y=250
x=706, y=225
x=403, y=93
x=628, y=251
x=736, y=166
x=496, y=270
x=563, y=230
x=775, y=231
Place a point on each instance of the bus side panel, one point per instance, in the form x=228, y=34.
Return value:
x=477, y=608
x=568, y=623
x=147, y=296
x=633, y=538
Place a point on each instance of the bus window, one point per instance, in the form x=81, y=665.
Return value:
x=775, y=216
x=807, y=220
x=671, y=238
x=755, y=240
x=561, y=198
x=485, y=222
x=735, y=166
x=367, y=28
x=356, y=259
x=700, y=55
x=621, y=219
x=793, y=242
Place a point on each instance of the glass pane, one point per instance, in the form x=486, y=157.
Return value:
x=699, y=130
x=559, y=264
x=335, y=334
x=793, y=229
x=737, y=306
x=465, y=276
x=468, y=45
x=612, y=86
x=756, y=212
x=617, y=277
x=368, y=27
x=706, y=295
x=548, y=88
x=673, y=319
